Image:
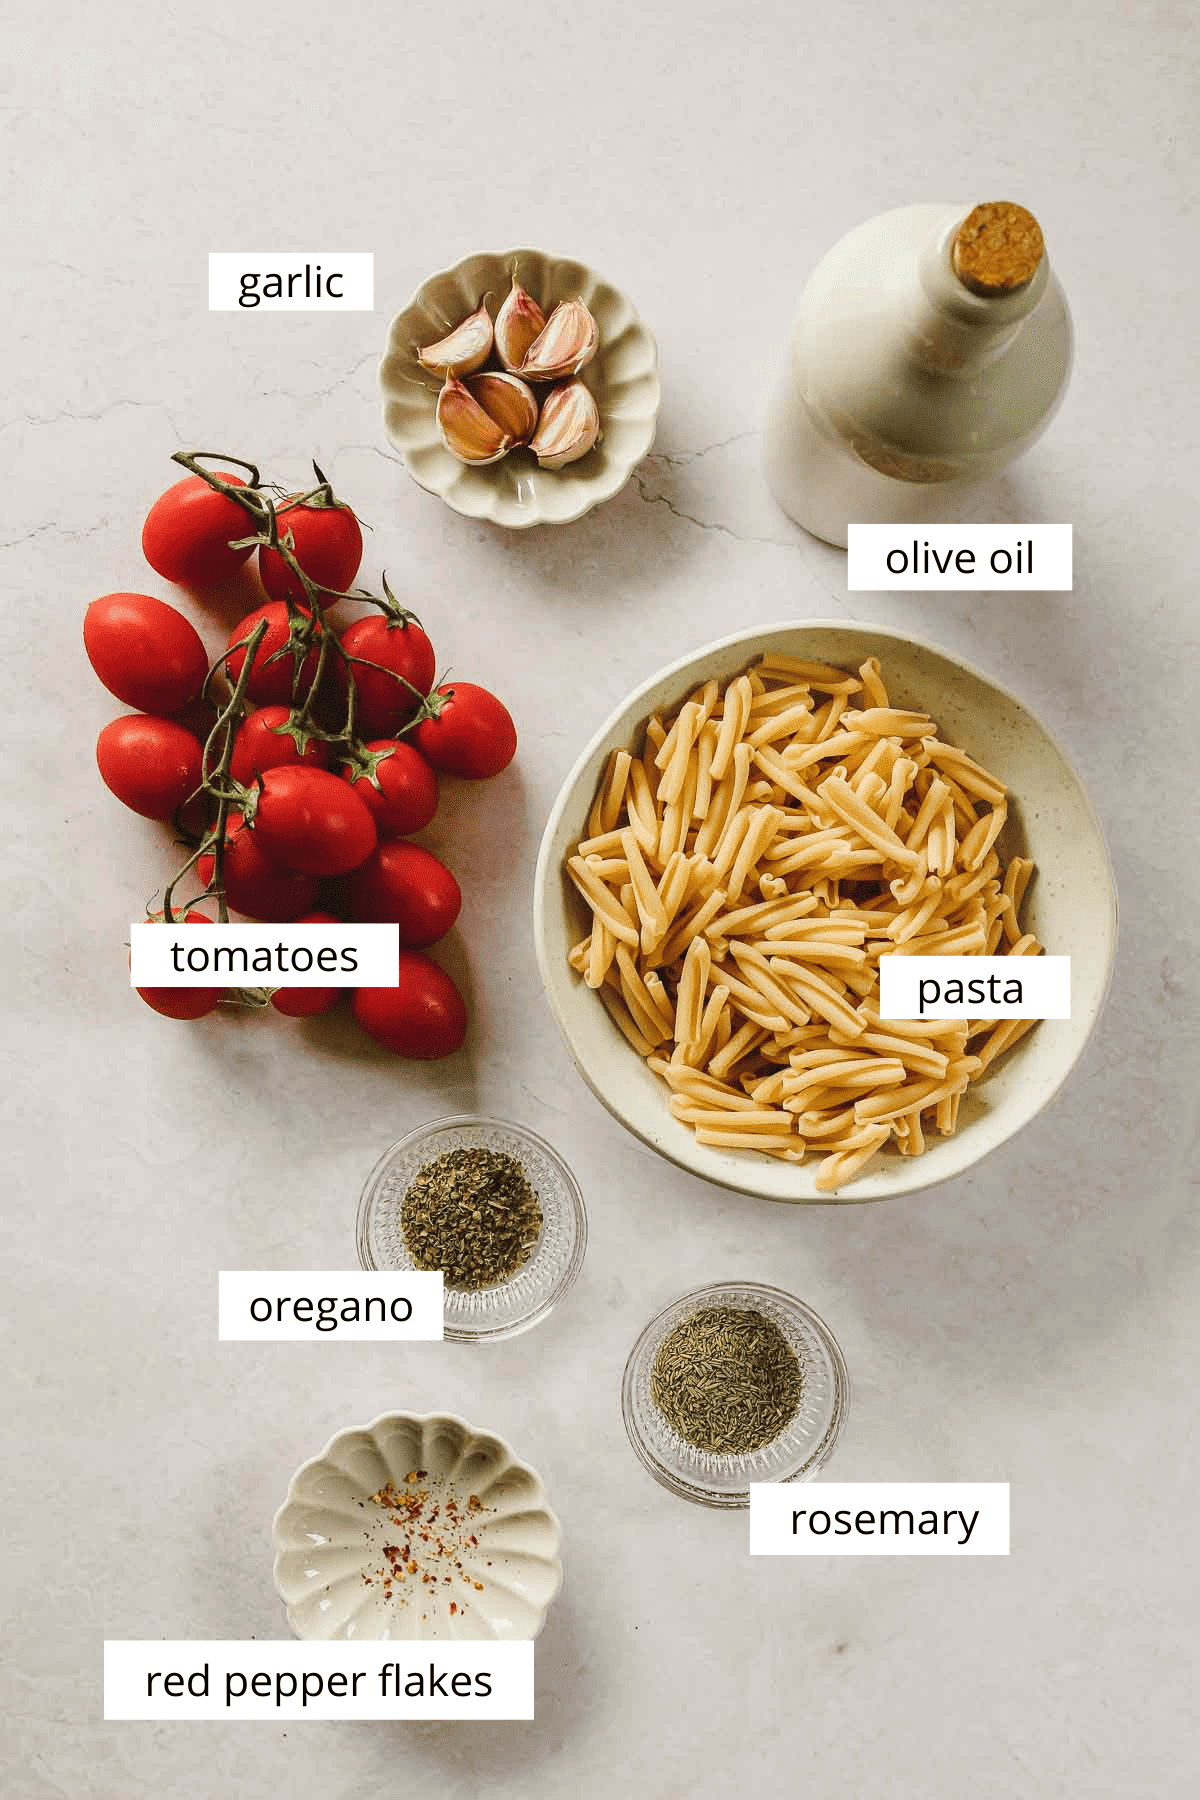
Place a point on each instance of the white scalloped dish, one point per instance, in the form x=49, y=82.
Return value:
x=515, y=492
x=416, y=1527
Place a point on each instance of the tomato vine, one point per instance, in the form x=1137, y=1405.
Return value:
x=220, y=792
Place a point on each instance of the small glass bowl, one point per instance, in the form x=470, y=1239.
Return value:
x=509, y=1307
x=795, y=1455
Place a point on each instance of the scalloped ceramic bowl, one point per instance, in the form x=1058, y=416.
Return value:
x=515, y=492
x=338, y=1567
x=1072, y=906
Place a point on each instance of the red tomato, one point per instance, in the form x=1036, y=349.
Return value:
x=423, y=1016
x=400, y=789
x=144, y=652
x=472, y=735
x=183, y=1002
x=332, y=897
x=197, y=816
x=326, y=542
x=263, y=742
x=308, y=1002
x=254, y=885
x=274, y=671
x=305, y=1003
x=403, y=884
x=307, y=819
x=384, y=703
x=187, y=532
x=152, y=765
x=198, y=716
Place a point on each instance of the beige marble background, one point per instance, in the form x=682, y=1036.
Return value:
x=1034, y=1322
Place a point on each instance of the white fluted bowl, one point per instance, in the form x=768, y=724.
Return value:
x=515, y=492
x=330, y=1537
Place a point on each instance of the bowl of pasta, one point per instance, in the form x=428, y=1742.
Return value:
x=735, y=850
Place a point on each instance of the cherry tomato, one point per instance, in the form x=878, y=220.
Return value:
x=198, y=716
x=399, y=789
x=187, y=532
x=254, y=885
x=183, y=1002
x=422, y=1017
x=404, y=884
x=151, y=765
x=307, y=819
x=308, y=1002
x=472, y=735
x=333, y=898
x=263, y=742
x=384, y=703
x=144, y=652
x=305, y=1003
x=273, y=674
x=327, y=543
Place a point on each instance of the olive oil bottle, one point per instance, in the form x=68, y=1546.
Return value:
x=932, y=345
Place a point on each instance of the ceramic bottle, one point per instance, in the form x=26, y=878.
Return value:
x=932, y=345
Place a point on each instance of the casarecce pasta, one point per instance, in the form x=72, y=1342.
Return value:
x=745, y=872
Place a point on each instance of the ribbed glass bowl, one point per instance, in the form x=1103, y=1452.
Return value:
x=511, y=1306
x=795, y=1455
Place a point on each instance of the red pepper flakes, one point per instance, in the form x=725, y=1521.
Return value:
x=413, y=1509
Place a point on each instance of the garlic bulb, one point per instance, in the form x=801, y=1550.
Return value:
x=508, y=402
x=462, y=350
x=566, y=345
x=568, y=427
x=468, y=432
x=519, y=324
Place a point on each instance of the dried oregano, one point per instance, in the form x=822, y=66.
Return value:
x=472, y=1214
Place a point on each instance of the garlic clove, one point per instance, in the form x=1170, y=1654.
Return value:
x=568, y=427
x=519, y=323
x=462, y=350
x=508, y=402
x=567, y=344
x=467, y=431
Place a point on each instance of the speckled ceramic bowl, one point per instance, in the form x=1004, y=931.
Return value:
x=1071, y=906
x=515, y=492
x=350, y=1564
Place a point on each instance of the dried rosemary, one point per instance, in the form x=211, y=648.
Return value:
x=472, y=1214
x=727, y=1380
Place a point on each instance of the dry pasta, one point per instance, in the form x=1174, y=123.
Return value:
x=746, y=870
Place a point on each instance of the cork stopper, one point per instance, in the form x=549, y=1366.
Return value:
x=997, y=248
